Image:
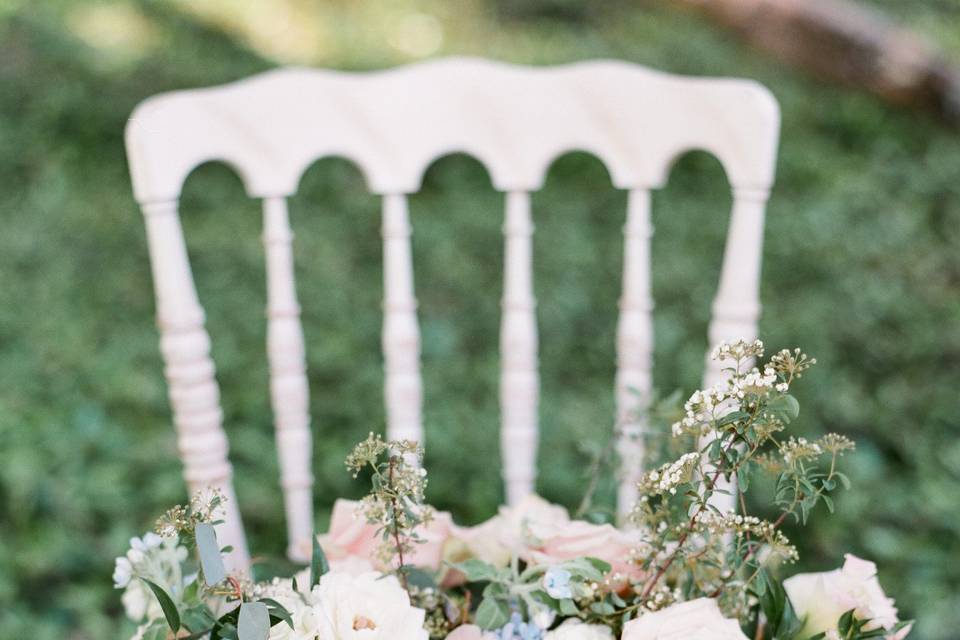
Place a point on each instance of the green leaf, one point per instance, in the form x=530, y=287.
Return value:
x=254, y=621
x=784, y=407
x=782, y=620
x=602, y=566
x=318, y=563
x=496, y=590
x=844, y=480
x=492, y=614
x=568, y=608
x=417, y=577
x=845, y=625
x=210, y=559
x=166, y=604
x=827, y=500
x=277, y=611
x=226, y=626
x=156, y=630
x=743, y=477
x=198, y=618
x=477, y=570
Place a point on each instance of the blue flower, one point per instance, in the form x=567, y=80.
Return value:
x=557, y=583
x=517, y=629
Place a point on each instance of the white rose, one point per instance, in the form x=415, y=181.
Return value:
x=822, y=598
x=576, y=630
x=368, y=606
x=298, y=604
x=694, y=620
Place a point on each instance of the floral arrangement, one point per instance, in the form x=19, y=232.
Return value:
x=391, y=567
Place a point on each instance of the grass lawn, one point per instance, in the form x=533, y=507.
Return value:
x=862, y=269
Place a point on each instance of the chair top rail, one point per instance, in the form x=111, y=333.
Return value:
x=393, y=124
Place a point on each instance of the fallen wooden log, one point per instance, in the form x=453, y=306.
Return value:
x=843, y=41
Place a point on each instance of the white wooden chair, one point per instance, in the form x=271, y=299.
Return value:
x=393, y=124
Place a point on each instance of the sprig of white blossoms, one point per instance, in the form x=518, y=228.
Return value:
x=741, y=526
x=151, y=558
x=669, y=476
x=740, y=390
x=800, y=449
x=739, y=350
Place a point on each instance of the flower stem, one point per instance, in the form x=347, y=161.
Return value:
x=395, y=517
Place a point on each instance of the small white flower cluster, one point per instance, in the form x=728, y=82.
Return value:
x=205, y=505
x=757, y=383
x=836, y=444
x=799, y=449
x=739, y=350
x=661, y=598
x=668, y=477
x=739, y=391
x=153, y=558
x=740, y=525
x=791, y=364
x=704, y=406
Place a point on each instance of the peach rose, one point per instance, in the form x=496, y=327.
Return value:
x=506, y=533
x=471, y=632
x=554, y=543
x=351, y=536
x=698, y=619
x=822, y=598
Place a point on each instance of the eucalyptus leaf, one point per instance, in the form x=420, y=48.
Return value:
x=210, y=559
x=253, y=622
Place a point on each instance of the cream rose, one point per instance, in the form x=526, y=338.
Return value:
x=694, y=620
x=821, y=598
x=369, y=606
x=576, y=630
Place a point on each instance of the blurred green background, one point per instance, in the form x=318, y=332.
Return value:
x=862, y=269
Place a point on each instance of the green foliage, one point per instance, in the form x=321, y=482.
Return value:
x=862, y=267
x=524, y=591
x=395, y=504
x=210, y=559
x=166, y=603
x=253, y=622
x=318, y=563
x=781, y=619
x=700, y=550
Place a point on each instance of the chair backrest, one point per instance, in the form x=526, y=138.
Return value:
x=393, y=124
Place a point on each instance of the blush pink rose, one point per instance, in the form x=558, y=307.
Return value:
x=505, y=534
x=698, y=619
x=470, y=632
x=555, y=542
x=351, y=536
